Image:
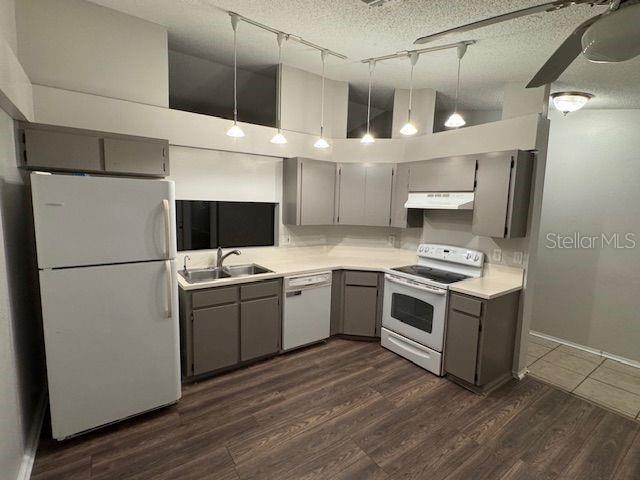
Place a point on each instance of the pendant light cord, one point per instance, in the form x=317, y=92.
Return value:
x=372, y=66
x=235, y=74
x=323, y=55
x=281, y=37
x=455, y=108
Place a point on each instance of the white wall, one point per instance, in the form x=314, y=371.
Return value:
x=21, y=373
x=590, y=296
x=300, y=103
x=423, y=109
x=8, y=24
x=78, y=45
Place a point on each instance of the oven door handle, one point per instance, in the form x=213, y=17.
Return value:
x=423, y=288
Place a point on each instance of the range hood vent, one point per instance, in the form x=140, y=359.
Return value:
x=440, y=200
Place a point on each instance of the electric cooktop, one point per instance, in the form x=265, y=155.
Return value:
x=440, y=276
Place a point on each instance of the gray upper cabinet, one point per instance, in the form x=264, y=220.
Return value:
x=136, y=156
x=308, y=191
x=501, y=203
x=47, y=147
x=454, y=174
x=59, y=150
x=364, y=196
x=400, y=216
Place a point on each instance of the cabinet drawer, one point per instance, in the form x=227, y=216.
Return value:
x=466, y=305
x=261, y=289
x=363, y=279
x=216, y=296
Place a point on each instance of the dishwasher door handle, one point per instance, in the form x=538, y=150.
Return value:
x=295, y=293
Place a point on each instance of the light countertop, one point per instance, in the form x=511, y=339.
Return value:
x=290, y=261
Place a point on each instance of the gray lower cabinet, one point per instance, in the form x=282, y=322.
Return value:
x=452, y=174
x=48, y=147
x=480, y=340
x=259, y=327
x=227, y=326
x=215, y=338
x=501, y=203
x=356, y=306
x=308, y=192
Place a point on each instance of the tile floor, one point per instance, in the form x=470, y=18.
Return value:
x=608, y=383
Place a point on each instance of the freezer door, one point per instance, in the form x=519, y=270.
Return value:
x=101, y=220
x=111, y=341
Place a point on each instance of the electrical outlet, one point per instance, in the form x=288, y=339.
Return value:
x=286, y=240
x=496, y=256
x=517, y=258
x=391, y=240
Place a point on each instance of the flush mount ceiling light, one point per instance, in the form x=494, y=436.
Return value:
x=368, y=138
x=456, y=120
x=235, y=131
x=409, y=128
x=321, y=142
x=567, y=102
x=279, y=138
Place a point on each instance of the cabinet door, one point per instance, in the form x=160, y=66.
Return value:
x=215, y=338
x=377, y=197
x=317, y=186
x=360, y=309
x=492, y=196
x=455, y=174
x=352, y=194
x=399, y=196
x=260, y=327
x=62, y=150
x=136, y=156
x=461, y=350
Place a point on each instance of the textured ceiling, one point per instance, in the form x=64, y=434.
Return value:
x=509, y=52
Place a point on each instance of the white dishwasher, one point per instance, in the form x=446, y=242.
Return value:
x=307, y=309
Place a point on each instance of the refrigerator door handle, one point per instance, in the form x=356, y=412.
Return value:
x=169, y=289
x=167, y=227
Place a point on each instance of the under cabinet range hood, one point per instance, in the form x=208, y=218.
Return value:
x=440, y=200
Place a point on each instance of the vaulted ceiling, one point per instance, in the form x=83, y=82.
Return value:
x=509, y=52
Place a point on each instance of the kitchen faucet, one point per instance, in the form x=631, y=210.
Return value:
x=221, y=257
x=184, y=265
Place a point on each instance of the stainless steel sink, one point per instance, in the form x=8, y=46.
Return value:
x=201, y=275
x=243, y=270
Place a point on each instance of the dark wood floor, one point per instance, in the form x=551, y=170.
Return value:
x=352, y=410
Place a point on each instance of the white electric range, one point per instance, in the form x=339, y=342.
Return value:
x=415, y=302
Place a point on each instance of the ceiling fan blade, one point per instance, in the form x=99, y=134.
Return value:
x=545, y=7
x=562, y=57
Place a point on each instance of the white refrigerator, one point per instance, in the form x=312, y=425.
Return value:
x=106, y=254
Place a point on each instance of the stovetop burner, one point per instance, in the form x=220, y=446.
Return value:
x=440, y=276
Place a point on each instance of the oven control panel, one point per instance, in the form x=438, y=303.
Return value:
x=451, y=254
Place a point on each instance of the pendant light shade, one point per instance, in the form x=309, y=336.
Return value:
x=409, y=128
x=368, y=139
x=235, y=131
x=321, y=142
x=456, y=120
x=279, y=138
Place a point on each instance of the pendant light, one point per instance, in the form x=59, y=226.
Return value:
x=456, y=120
x=409, y=128
x=279, y=138
x=368, y=138
x=321, y=142
x=235, y=130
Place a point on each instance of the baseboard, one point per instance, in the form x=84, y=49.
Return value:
x=595, y=351
x=33, y=439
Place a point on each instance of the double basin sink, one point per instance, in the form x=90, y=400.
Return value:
x=201, y=275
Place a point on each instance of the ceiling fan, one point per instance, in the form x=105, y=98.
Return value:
x=612, y=36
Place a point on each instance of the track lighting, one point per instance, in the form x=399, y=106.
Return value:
x=567, y=102
x=409, y=128
x=235, y=131
x=279, y=138
x=321, y=142
x=368, y=138
x=456, y=120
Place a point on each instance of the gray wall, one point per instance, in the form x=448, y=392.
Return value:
x=591, y=296
x=21, y=372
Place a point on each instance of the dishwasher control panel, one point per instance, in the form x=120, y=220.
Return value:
x=307, y=280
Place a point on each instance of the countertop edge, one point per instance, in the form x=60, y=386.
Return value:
x=485, y=296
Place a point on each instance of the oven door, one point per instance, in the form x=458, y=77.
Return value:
x=415, y=310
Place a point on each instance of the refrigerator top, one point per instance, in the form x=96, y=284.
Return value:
x=84, y=220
